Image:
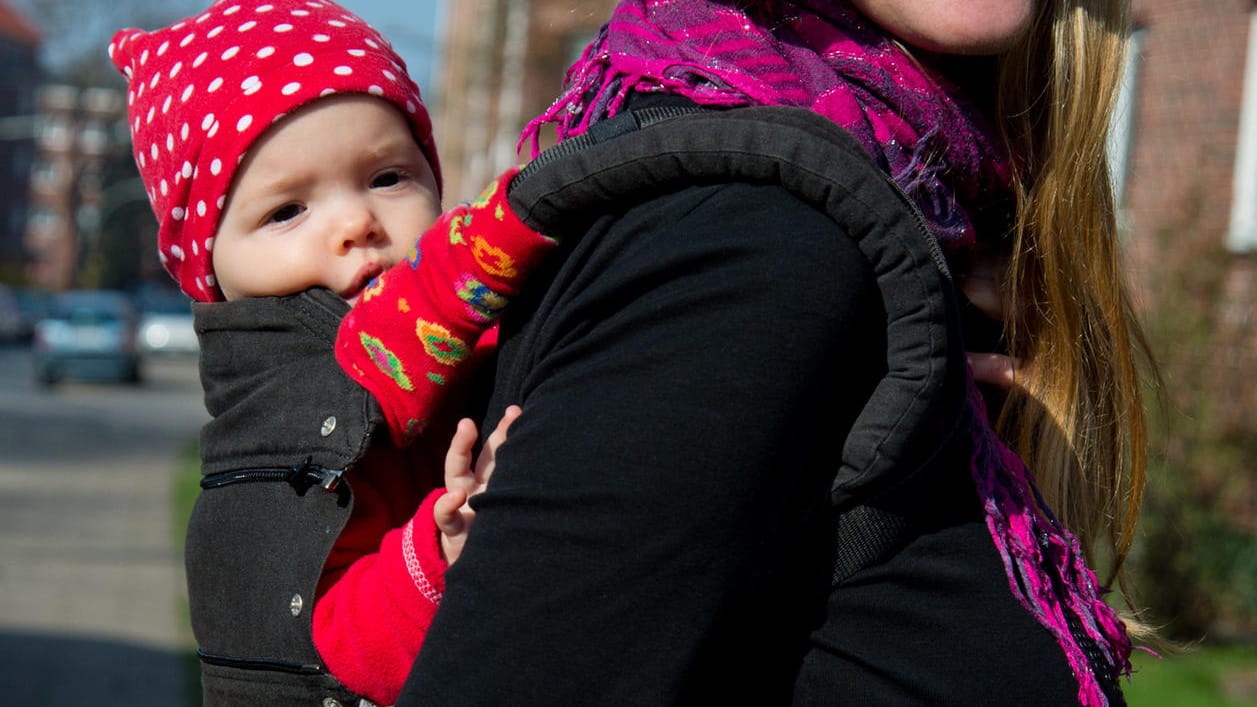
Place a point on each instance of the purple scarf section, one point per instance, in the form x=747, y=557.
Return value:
x=818, y=55
x=823, y=55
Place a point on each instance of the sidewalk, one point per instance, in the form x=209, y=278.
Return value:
x=91, y=585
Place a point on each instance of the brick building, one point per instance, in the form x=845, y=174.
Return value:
x=19, y=44
x=79, y=132
x=1190, y=177
x=1190, y=197
x=1188, y=123
x=1189, y=204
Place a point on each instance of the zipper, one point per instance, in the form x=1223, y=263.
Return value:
x=259, y=664
x=931, y=243
x=304, y=474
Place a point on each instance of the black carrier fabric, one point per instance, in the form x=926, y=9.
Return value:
x=286, y=425
x=273, y=501
x=916, y=410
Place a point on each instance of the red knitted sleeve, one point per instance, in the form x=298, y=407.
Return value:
x=411, y=333
x=370, y=623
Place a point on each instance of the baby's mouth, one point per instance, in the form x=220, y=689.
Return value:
x=364, y=277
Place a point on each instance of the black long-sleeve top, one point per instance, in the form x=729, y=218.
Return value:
x=655, y=531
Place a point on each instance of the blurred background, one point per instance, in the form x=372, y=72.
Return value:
x=100, y=404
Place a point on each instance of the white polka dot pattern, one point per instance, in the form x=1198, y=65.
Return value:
x=204, y=89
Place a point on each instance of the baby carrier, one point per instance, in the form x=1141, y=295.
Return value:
x=891, y=458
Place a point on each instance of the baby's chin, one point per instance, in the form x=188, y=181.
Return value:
x=367, y=277
x=353, y=295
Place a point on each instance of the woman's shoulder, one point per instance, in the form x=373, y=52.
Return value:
x=765, y=226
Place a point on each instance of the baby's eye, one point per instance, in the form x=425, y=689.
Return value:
x=286, y=213
x=387, y=179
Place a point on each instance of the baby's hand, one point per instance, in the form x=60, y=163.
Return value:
x=462, y=481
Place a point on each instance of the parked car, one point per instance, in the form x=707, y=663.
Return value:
x=87, y=334
x=33, y=304
x=166, y=324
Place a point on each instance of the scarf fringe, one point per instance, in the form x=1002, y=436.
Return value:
x=581, y=76
x=595, y=89
x=1035, y=549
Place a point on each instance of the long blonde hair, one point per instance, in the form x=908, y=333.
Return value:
x=1080, y=424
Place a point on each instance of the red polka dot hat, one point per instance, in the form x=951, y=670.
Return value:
x=203, y=90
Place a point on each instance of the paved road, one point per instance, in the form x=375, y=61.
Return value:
x=91, y=587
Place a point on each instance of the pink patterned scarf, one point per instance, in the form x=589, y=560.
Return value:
x=812, y=53
x=935, y=144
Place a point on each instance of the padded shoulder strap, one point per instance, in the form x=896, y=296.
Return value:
x=917, y=406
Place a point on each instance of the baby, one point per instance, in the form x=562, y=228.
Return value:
x=290, y=163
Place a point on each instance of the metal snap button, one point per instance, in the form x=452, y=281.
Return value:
x=329, y=426
x=295, y=605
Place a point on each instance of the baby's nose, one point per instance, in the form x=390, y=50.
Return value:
x=357, y=227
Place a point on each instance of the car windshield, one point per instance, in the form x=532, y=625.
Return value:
x=86, y=316
x=165, y=303
x=88, y=309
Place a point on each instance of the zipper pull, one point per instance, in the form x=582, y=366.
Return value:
x=329, y=479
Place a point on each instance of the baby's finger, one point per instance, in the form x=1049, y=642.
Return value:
x=458, y=459
x=487, y=460
x=509, y=416
x=446, y=511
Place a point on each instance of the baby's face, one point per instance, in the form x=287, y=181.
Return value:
x=332, y=196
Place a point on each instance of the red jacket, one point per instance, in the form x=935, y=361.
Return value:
x=411, y=340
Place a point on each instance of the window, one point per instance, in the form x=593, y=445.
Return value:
x=55, y=133
x=1122, y=128
x=42, y=223
x=48, y=174
x=1242, y=236
x=92, y=138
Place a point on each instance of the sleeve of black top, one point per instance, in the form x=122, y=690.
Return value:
x=652, y=532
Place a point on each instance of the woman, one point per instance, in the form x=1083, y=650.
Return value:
x=650, y=536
